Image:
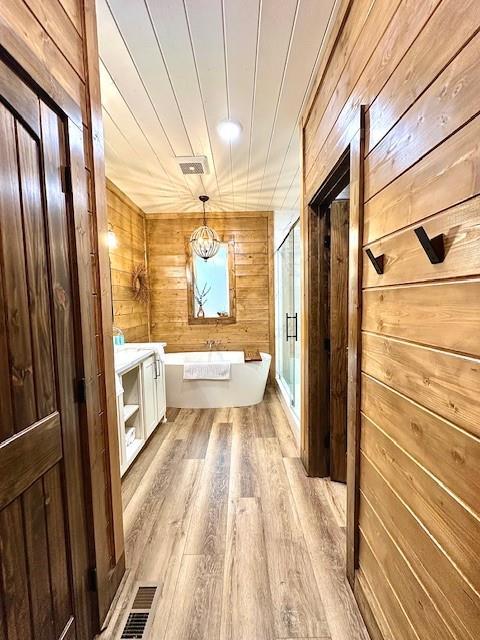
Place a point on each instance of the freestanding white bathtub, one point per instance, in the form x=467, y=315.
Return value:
x=245, y=387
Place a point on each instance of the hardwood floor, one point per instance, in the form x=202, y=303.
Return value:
x=242, y=545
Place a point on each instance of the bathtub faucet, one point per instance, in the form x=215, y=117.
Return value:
x=212, y=343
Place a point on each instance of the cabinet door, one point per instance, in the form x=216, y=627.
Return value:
x=149, y=393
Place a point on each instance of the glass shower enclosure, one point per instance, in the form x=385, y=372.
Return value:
x=288, y=318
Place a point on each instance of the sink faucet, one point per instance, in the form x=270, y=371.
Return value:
x=212, y=343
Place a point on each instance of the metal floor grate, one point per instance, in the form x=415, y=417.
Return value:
x=144, y=598
x=138, y=617
x=135, y=625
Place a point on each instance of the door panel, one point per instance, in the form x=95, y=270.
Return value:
x=43, y=536
x=15, y=281
x=37, y=269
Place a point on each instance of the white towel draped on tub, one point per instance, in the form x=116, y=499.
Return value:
x=206, y=371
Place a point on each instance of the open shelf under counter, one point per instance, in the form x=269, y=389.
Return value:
x=129, y=410
x=132, y=449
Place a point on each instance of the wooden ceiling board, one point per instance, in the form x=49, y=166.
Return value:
x=298, y=75
x=127, y=127
x=276, y=28
x=121, y=68
x=169, y=22
x=241, y=34
x=173, y=69
x=205, y=23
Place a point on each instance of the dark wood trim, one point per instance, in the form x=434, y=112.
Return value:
x=315, y=388
x=355, y=267
x=86, y=337
x=109, y=430
x=36, y=74
x=232, y=317
x=22, y=99
x=67, y=330
x=315, y=367
x=313, y=431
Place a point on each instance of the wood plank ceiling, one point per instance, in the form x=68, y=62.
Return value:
x=171, y=70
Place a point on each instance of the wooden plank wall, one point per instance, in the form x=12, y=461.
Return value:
x=54, y=41
x=252, y=234
x=415, y=66
x=128, y=223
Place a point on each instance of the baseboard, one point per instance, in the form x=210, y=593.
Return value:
x=118, y=576
x=292, y=421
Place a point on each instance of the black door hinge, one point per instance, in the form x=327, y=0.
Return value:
x=326, y=344
x=81, y=391
x=66, y=179
x=92, y=579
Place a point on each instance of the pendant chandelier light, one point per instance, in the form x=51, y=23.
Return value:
x=204, y=240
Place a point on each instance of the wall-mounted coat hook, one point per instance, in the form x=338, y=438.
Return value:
x=433, y=247
x=377, y=262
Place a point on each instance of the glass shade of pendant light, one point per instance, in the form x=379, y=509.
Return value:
x=204, y=240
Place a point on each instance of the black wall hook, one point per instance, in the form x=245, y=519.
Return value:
x=433, y=247
x=377, y=262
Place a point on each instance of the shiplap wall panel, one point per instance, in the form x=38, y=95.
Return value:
x=420, y=438
x=128, y=224
x=252, y=235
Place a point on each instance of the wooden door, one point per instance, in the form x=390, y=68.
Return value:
x=339, y=217
x=43, y=540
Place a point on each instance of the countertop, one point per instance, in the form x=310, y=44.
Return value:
x=129, y=357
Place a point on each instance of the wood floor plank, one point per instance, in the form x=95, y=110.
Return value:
x=200, y=434
x=247, y=610
x=183, y=423
x=296, y=600
x=326, y=545
x=222, y=415
x=243, y=474
x=172, y=414
x=197, y=599
x=281, y=425
x=262, y=421
x=134, y=476
x=143, y=511
x=336, y=494
x=161, y=559
x=209, y=522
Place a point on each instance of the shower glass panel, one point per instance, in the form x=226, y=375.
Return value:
x=288, y=317
x=296, y=310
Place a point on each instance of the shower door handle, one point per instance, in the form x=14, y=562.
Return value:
x=294, y=317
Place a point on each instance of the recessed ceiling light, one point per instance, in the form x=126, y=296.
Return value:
x=229, y=130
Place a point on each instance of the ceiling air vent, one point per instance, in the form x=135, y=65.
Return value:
x=193, y=165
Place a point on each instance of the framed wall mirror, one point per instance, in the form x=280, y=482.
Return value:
x=211, y=286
